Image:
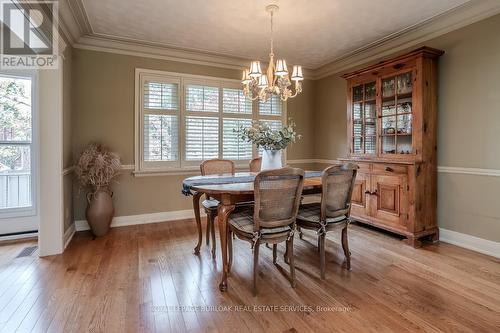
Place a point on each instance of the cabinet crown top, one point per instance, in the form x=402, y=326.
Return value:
x=424, y=51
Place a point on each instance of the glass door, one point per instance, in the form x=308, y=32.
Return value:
x=16, y=154
x=396, y=117
x=364, y=115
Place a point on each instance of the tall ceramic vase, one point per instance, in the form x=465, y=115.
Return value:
x=100, y=210
x=271, y=159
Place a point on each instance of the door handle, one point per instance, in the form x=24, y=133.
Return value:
x=367, y=192
x=389, y=169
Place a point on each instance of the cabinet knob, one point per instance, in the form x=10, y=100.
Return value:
x=367, y=192
x=374, y=192
x=389, y=169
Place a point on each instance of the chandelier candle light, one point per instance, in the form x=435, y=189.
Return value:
x=276, y=81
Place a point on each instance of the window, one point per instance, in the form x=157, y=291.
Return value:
x=160, y=121
x=16, y=145
x=185, y=119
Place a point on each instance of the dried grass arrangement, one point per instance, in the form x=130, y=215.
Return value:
x=97, y=166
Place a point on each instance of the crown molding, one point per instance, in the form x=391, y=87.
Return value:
x=79, y=13
x=458, y=17
x=149, y=50
x=68, y=23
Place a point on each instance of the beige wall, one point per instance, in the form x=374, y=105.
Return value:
x=468, y=126
x=103, y=110
x=67, y=140
x=301, y=110
x=330, y=118
x=469, y=96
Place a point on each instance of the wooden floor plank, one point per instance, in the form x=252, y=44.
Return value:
x=146, y=279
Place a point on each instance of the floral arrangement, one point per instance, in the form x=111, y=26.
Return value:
x=97, y=166
x=262, y=135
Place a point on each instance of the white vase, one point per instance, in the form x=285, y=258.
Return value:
x=271, y=159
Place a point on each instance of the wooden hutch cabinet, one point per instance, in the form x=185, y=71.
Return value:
x=391, y=130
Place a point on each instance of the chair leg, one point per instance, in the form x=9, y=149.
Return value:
x=275, y=252
x=255, y=266
x=285, y=256
x=345, y=247
x=209, y=219
x=319, y=244
x=301, y=235
x=322, y=256
x=292, y=263
x=230, y=249
x=212, y=230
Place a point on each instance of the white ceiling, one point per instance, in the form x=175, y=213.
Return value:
x=307, y=32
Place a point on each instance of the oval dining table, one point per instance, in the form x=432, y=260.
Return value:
x=229, y=190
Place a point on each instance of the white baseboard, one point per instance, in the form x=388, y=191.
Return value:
x=121, y=221
x=68, y=235
x=20, y=236
x=470, y=242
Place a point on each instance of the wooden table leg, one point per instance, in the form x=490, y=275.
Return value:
x=196, y=207
x=225, y=208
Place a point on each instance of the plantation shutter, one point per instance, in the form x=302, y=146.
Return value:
x=202, y=122
x=272, y=107
x=161, y=95
x=202, y=138
x=202, y=98
x=235, y=102
x=160, y=120
x=237, y=111
x=234, y=148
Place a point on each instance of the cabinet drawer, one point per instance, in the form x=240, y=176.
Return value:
x=363, y=166
x=389, y=169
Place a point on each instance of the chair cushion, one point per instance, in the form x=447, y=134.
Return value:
x=210, y=203
x=312, y=213
x=243, y=221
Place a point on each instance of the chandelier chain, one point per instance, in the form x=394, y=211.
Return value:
x=272, y=33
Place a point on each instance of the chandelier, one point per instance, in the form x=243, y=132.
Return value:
x=276, y=81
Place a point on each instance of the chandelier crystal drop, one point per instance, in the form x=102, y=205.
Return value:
x=276, y=80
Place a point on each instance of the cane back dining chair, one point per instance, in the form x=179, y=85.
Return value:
x=272, y=219
x=214, y=167
x=255, y=164
x=333, y=211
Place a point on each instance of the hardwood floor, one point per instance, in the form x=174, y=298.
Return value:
x=146, y=278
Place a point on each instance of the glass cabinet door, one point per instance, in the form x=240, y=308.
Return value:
x=396, y=116
x=364, y=115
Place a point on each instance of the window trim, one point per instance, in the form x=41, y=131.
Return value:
x=155, y=165
x=182, y=166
